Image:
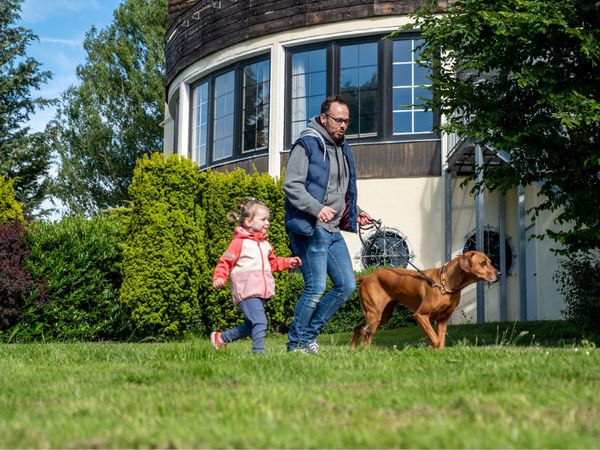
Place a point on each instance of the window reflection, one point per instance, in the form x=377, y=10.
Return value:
x=255, y=133
x=359, y=87
x=224, y=104
x=309, y=87
x=200, y=124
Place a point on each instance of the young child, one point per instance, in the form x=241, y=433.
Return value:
x=249, y=261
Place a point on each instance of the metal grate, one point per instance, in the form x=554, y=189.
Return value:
x=385, y=247
x=491, y=247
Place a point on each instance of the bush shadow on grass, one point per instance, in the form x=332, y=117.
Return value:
x=549, y=333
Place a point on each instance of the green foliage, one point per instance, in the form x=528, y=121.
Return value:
x=113, y=116
x=10, y=209
x=16, y=282
x=578, y=279
x=78, y=259
x=23, y=157
x=164, y=255
x=220, y=193
x=522, y=76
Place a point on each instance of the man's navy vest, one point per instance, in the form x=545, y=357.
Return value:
x=317, y=178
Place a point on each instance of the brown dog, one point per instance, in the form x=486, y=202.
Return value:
x=383, y=289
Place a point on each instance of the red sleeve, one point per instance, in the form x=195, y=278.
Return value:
x=278, y=263
x=228, y=259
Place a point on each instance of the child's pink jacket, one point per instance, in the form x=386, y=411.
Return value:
x=249, y=261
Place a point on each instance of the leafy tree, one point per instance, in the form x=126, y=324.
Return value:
x=113, y=117
x=23, y=157
x=522, y=77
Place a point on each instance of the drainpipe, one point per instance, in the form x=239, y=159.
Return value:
x=501, y=231
x=522, y=256
x=479, y=230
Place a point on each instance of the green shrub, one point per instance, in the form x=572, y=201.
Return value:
x=164, y=252
x=220, y=193
x=79, y=261
x=10, y=209
x=579, y=284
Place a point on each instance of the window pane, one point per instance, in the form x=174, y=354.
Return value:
x=367, y=77
x=309, y=85
x=349, y=79
x=224, y=104
x=368, y=54
x=424, y=93
x=402, y=122
x=402, y=74
x=200, y=124
x=403, y=50
x=256, y=106
x=402, y=98
x=423, y=122
x=317, y=83
x=358, y=80
x=348, y=56
x=421, y=74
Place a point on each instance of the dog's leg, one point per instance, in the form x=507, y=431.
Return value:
x=425, y=325
x=357, y=336
x=442, y=326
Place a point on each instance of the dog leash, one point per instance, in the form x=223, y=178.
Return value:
x=376, y=224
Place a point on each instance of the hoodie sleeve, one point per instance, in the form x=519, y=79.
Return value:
x=294, y=183
x=278, y=263
x=228, y=260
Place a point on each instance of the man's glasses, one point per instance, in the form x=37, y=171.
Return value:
x=339, y=121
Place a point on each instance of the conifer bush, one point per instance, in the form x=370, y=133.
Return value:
x=164, y=253
x=219, y=194
x=10, y=209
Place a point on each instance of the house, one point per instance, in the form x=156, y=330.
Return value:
x=243, y=78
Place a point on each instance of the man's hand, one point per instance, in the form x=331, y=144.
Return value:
x=364, y=218
x=219, y=283
x=326, y=214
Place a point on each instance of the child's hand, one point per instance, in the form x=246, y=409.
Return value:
x=219, y=283
x=295, y=261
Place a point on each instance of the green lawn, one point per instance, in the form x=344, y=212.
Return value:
x=532, y=385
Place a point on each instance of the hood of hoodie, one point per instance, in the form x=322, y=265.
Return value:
x=244, y=233
x=315, y=129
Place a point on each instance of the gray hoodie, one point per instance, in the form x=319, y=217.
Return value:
x=294, y=183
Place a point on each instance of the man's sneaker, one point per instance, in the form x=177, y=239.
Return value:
x=311, y=347
x=215, y=340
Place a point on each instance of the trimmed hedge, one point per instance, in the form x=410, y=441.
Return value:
x=220, y=193
x=164, y=253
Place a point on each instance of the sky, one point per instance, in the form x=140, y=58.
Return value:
x=61, y=26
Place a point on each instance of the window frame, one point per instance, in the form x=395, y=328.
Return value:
x=237, y=151
x=385, y=133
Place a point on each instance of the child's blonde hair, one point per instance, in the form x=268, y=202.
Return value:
x=246, y=209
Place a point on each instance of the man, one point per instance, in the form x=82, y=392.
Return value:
x=320, y=200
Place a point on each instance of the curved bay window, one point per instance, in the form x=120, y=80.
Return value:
x=230, y=113
x=378, y=78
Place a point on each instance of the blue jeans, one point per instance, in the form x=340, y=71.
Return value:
x=322, y=254
x=255, y=324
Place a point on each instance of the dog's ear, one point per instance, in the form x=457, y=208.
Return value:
x=464, y=261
